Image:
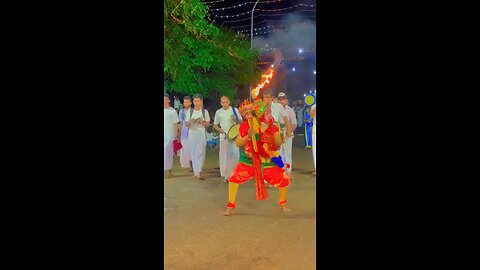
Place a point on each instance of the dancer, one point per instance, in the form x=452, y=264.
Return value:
x=185, y=155
x=261, y=141
x=197, y=121
x=170, y=132
x=286, y=149
x=226, y=116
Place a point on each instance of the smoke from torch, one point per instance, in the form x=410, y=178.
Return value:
x=265, y=80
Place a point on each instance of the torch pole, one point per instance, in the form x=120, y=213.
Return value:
x=251, y=42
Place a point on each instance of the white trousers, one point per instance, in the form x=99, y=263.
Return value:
x=228, y=156
x=314, y=148
x=185, y=155
x=167, y=154
x=286, y=153
x=197, y=150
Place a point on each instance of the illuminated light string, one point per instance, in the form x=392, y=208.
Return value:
x=234, y=15
x=260, y=33
x=287, y=49
x=273, y=10
x=249, y=2
x=281, y=9
x=261, y=15
x=254, y=29
x=283, y=59
x=274, y=25
x=224, y=8
x=258, y=9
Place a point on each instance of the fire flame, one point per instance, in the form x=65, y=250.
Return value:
x=265, y=80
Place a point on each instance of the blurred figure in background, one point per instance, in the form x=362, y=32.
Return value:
x=286, y=148
x=170, y=133
x=185, y=155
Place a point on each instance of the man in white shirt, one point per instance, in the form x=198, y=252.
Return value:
x=176, y=103
x=313, y=115
x=198, y=120
x=185, y=155
x=277, y=112
x=170, y=133
x=286, y=148
x=229, y=152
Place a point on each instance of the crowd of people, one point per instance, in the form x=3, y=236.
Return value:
x=189, y=126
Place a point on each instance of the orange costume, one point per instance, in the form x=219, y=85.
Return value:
x=260, y=158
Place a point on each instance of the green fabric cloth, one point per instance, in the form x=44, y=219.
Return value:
x=248, y=161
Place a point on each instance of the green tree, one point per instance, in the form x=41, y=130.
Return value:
x=199, y=56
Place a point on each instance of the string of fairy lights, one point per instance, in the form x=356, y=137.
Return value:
x=262, y=9
x=272, y=10
x=267, y=16
x=308, y=50
x=269, y=21
x=249, y=2
x=262, y=15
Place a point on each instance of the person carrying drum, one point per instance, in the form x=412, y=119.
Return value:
x=229, y=119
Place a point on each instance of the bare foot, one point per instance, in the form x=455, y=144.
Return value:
x=291, y=176
x=225, y=180
x=314, y=173
x=169, y=175
x=199, y=177
x=229, y=211
x=285, y=208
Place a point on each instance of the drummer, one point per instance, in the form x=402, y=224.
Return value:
x=229, y=152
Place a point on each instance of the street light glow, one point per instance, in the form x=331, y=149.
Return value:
x=314, y=72
x=293, y=69
x=300, y=50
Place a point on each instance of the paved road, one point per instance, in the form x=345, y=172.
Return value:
x=257, y=237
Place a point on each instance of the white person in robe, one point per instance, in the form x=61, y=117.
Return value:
x=197, y=120
x=170, y=133
x=229, y=153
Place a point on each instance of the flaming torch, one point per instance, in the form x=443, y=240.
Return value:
x=265, y=80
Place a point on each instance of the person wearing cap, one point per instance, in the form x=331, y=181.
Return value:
x=170, y=133
x=185, y=155
x=286, y=148
x=277, y=111
x=197, y=121
x=229, y=153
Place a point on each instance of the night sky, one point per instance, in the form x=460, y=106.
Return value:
x=298, y=75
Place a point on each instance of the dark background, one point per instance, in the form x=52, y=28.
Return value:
x=90, y=191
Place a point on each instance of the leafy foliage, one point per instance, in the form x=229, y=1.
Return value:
x=199, y=56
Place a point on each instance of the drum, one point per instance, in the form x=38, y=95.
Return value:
x=233, y=132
